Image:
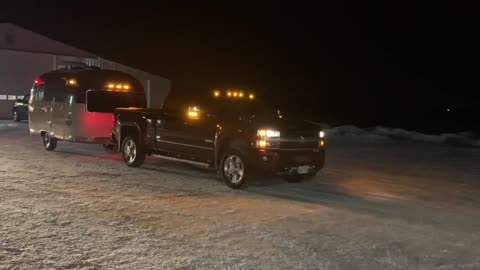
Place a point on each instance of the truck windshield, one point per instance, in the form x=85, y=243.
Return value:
x=248, y=109
x=108, y=101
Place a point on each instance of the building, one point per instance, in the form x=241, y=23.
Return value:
x=24, y=55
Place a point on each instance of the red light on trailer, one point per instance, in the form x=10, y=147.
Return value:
x=37, y=81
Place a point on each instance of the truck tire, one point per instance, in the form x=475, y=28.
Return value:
x=132, y=152
x=234, y=169
x=49, y=142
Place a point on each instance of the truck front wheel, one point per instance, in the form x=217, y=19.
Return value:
x=132, y=152
x=234, y=169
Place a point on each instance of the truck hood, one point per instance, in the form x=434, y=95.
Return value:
x=289, y=128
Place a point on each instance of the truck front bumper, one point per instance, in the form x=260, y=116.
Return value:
x=304, y=161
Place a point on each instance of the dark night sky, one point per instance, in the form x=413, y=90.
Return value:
x=395, y=65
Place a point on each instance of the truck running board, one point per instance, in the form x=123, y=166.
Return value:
x=203, y=164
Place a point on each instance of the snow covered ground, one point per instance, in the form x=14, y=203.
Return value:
x=465, y=139
x=378, y=204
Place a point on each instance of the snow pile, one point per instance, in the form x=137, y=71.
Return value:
x=383, y=133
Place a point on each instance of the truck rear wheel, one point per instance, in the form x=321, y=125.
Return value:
x=132, y=152
x=234, y=169
x=49, y=142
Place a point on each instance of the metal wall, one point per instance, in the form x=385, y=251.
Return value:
x=18, y=70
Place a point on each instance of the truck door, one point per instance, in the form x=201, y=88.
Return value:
x=200, y=134
x=186, y=136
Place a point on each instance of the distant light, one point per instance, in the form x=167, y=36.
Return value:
x=251, y=96
x=448, y=109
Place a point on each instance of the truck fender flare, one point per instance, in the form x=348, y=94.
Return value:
x=221, y=144
x=122, y=136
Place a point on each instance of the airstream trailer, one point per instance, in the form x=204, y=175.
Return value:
x=77, y=104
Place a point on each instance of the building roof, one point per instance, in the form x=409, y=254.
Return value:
x=16, y=38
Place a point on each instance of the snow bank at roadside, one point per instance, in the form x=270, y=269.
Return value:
x=384, y=133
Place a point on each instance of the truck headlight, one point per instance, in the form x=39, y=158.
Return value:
x=267, y=137
x=268, y=133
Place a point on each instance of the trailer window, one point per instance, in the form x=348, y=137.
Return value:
x=55, y=88
x=108, y=101
x=38, y=91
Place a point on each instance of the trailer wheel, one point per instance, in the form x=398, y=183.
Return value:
x=132, y=152
x=49, y=142
x=234, y=169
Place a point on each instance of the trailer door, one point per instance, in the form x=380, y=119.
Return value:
x=55, y=95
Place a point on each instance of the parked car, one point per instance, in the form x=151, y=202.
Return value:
x=20, y=109
x=232, y=132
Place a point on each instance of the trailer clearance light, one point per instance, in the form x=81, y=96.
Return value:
x=251, y=96
x=117, y=86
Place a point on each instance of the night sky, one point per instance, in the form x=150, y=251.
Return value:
x=394, y=65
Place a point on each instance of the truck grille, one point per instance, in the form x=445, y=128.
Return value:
x=299, y=143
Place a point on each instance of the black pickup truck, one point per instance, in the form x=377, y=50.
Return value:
x=236, y=136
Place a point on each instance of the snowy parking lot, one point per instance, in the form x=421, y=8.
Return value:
x=378, y=204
